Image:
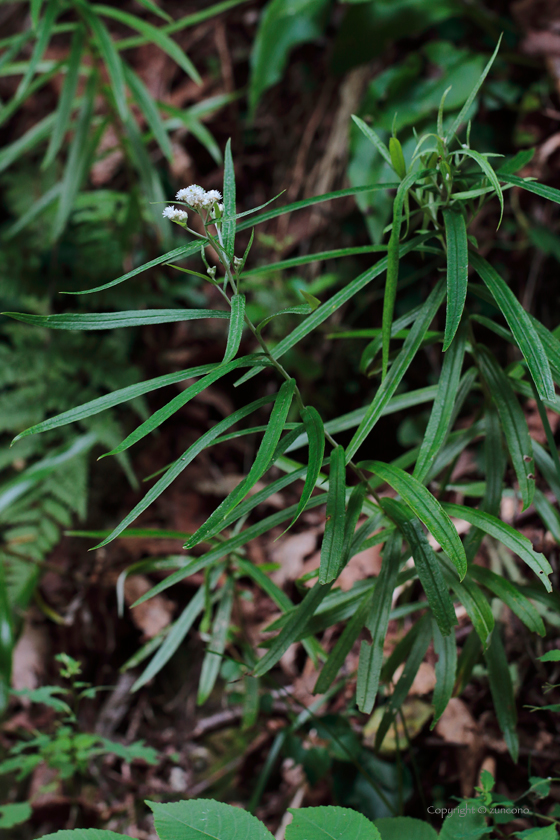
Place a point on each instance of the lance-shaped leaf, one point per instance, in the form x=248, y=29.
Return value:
x=507, y=535
x=514, y=425
x=333, y=539
x=422, y=635
x=263, y=460
x=236, y=324
x=150, y=111
x=217, y=644
x=426, y=508
x=550, y=193
x=475, y=603
x=228, y=227
x=398, y=369
x=110, y=57
x=445, y=648
x=512, y=597
x=427, y=564
x=353, y=511
x=316, y=438
x=115, y=320
x=44, y=33
x=501, y=689
x=521, y=326
x=371, y=656
x=439, y=424
x=293, y=629
x=181, y=463
x=457, y=271
x=373, y=138
x=482, y=161
x=66, y=100
x=343, y=646
x=393, y=259
x=460, y=118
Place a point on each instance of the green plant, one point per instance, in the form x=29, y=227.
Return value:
x=65, y=749
x=438, y=194
x=191, y=819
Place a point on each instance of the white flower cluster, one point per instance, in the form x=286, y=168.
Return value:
x=175, y=215
x=199, y=198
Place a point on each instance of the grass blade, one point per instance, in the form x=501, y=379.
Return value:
x=514, y=425
x=439, y=424
x=371, y=656
x=44, y=34
x=507, y=535
x=457, y=272
x=333, y=539
x=236, y=324
x=521, y=326
x=426, y=508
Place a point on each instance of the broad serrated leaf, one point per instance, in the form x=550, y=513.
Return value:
x=501, y=689
x=514, y=425
x=507, y=535
x=398, y=369
x=377, y=620
x=445, y=648
x=439, y=424
x=512, y=597
x=236, y=324
x=263, y=460
x=228, y=227
x=115, y=320
x=292, y=629
x=83, y=834
x=329, y=822
x=521, y=326
x=198, y=819
x=427, y=564
x=397, y=828
x=457, y=272
x=333, y=539
x=426, y=508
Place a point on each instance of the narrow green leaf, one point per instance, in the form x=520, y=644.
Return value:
x=236, y=324
x=301, y=309
x=326, y=310
x=110, y=56
x=371, y=656
x=155, y=35
x=115, y=320
x=228, y=227
x=475, y=603
x=343, y=646
x=471, y=97
x=521, y=326
x=152, y=7
x=43, y=37
x=330, y=822
x=427, y=509
x=263, y=460
x=35, y=12
x=439, y=424
x=35, y=135
x=177, y=254
x=353, y=511
x=445, y=648
x=6, y=640
x=427, y=565
x=316, y=438
x=544, y=191
x=517, y=162
x=548, y=514
x=398, y=369
x=374, y=138
x=512, y=597
x=397, y=157
x=457, y=271
x=333, y=539
x=292, y=629
x=507, y=535
x=548, y=468
x=514, y=425
x=422, y=634
x=182, y=462
x=149, y=108
x=197, y=819
x=501, y=689
x=393, y=259
x=217, y=644
x=490, y=174
x=66, y=101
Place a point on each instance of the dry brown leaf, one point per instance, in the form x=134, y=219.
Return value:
x=151, y=616
x=30, y=655
x=458, y=726
x=290, y=554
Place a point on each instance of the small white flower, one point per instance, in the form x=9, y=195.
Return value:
x=213, y=195
x=174, y=214
x=193, y=195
